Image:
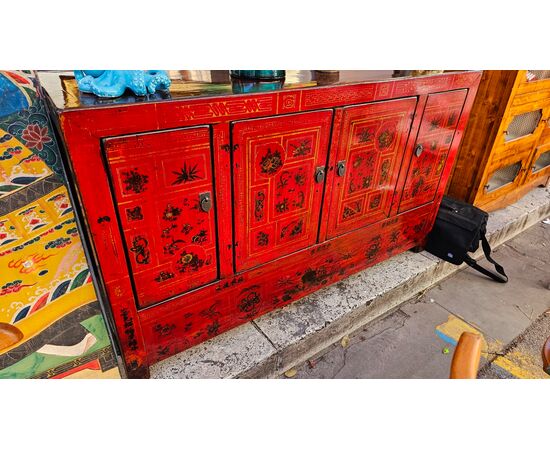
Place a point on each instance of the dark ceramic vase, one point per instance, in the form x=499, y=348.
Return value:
x=263, y=75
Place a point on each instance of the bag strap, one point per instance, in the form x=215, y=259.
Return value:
x=487, y=251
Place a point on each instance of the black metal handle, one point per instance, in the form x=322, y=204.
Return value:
x=341, y=168
x=418, y=150
x=319, y=174
x=205, y=201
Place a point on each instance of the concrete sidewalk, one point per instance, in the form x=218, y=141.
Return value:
x=418, y=339
x=285, y=338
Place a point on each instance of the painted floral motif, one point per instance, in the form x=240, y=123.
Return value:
x=299, y=200
x=259, y=206
x=186, y=228
x=171, y=213
x=452, y=119
x=365, y=136
x=164, y=276
x=166, y=232
x=262, y=239
x=164, y=330
x=385, y=171
x=134, y=181
x=139, y=247
x=293, y=229
x=302, y=149
x=189, y=261
x=172, y=247
x=385, y=138
x=351, y=210
x=417, y=186
x=284, y=179
x=271, y=162
x=213, y=328
x=374, y=247
x=394, y=236
x=315, y=277
x=282, y=206
x=186, y=174
x=200, y=237
x=435, y=123
x=36, y=114
x=133, y=214
x=36, y=136
x=357, y=161
x=419, y=226
x=375, y=201
x=250, y=303
x=366, y=182
x=299, y=179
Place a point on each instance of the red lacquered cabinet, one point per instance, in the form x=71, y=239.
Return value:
x=206, y=208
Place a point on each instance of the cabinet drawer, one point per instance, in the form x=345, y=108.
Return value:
x=163, y=188
x=369, y=155
x=432, y=145
x=278, y=180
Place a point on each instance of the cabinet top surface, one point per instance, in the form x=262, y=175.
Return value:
x=61, y=86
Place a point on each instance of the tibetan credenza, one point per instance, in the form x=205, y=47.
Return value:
x=204, y=209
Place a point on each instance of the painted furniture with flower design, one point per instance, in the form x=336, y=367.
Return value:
x=206, y=210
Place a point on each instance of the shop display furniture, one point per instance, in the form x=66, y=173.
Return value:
x=505, y=151
x=204, y=209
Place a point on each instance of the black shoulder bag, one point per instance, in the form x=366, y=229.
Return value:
x=457, y=230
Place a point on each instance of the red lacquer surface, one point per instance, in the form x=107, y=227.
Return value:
x=368, y=158
x=156, y=319
x=158, y=179
x=278, y=198
x=435, y=136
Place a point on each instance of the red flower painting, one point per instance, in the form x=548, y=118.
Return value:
x=36, y=136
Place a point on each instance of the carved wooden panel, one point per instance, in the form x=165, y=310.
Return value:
x=432, y=145
x=369, y=155
x=159, y=180
x=278, y=179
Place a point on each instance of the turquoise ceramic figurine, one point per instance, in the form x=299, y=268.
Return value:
x=113, y=83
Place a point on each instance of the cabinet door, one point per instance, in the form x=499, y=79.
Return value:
x=163, y=188
x=278, y=176
x=540, y=163
x=431, y=148
x=372, y=142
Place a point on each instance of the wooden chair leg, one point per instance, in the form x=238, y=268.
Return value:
x=546, y=356
x=467, y=355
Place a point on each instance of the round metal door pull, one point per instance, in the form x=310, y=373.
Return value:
x=319, y=174
x=205, y=201
x=418, y=150
x=341, y=169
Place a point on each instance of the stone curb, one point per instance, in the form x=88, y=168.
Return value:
x=284, y=338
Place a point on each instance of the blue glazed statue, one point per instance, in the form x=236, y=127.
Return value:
x=113, y=83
